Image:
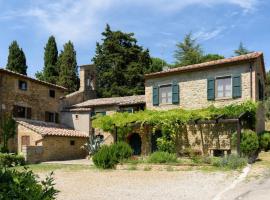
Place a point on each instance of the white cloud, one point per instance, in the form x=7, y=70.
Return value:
x=203, y=35
x=78, y=20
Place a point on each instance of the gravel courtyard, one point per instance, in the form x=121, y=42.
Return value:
x=143, y=185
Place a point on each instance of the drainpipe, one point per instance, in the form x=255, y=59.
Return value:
x=251, y=85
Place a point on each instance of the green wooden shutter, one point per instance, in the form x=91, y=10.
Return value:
x=155, y=96
x=211, y=89
x=175, y=92
x=236, y=86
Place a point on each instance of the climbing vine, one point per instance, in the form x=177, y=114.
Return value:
x=171, y=120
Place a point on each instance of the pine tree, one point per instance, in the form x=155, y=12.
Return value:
x=16, y=59
x=188, y=52
x=121, y=64
x=68, y=69
x=241, y=50
x=50, y=71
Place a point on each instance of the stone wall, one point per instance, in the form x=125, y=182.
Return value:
x=36, y=96
x=193, y=87
x=33, y=154
x=201, y=138
x=60, y=148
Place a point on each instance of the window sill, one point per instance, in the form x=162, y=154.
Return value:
x=223, y=98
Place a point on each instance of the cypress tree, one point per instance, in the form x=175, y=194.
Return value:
x=16, y=59
x=68, y=69
x=50, y=71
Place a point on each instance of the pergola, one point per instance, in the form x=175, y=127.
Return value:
x=246, y=116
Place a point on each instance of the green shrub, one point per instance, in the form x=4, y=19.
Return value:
x=162, y=157
x=23, y=185
x=165, y=145
x=230, y=162
x=249, y=143
x=11, y=160
x=265, y=141
x=105, y=158
x=121, y=151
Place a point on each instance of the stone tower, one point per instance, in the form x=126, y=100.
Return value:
x=88, y=81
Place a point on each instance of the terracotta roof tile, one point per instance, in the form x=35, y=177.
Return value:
x=50, y=129
x=127, y=100
x=236, y=59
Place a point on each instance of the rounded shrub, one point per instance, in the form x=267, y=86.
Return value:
x=104, y=158
x=265, y=141
x=121, y=151
x=162, y=157
x=11, y=160
x=249, y=143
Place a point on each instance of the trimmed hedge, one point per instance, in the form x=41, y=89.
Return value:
x=11, y=160
x=108, y=156
x=250, y=145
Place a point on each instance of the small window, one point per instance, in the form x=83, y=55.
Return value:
x=72, y=142
x=25, y=140
x=22, y=112
x=22, y=85
x=52, y=93
x=76, y=117
x=224, y=87
x=49, y=117
x=165, y=94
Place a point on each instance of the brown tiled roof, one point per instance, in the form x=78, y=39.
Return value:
x=127, y=100
x=50, y=129
x=6, y=71
x=79, y=109
x=201, y=66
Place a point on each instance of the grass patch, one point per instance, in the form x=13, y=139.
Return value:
x=52, y=167
x=132, y=167
x=147, y=168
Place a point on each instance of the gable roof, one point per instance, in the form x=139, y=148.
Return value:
x=50, y=129
x=201, y=66
x=6, y=71
x=127, y=100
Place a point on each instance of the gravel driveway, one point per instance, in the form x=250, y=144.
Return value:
x=143, y=185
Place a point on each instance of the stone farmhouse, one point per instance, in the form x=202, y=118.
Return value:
x=36, y=107
x=219, y=83
x=54, y=126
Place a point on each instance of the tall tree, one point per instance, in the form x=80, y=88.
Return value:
x=242, y=50
x=188, y=52
x=50, y=71
x=121, y=64
x=68, y=69
x=157, y=64
x=210, y=57
x=16, y=59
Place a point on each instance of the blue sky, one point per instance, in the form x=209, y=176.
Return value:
x=218, y=25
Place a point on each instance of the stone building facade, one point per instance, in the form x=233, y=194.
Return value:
x=36, y=106
x=26, y=97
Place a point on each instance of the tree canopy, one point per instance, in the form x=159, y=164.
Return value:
x=50, y=71
x=242, y=50
x=189, y=52
x=121, y=64
x=16, y=59
x=157, y=65
x=68, y=69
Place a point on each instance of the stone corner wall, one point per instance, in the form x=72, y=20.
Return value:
x=33, y=154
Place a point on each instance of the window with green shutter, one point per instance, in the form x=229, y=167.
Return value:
x=236, y=85
x=175, y=92
x=211, y=89
x=155, y=96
